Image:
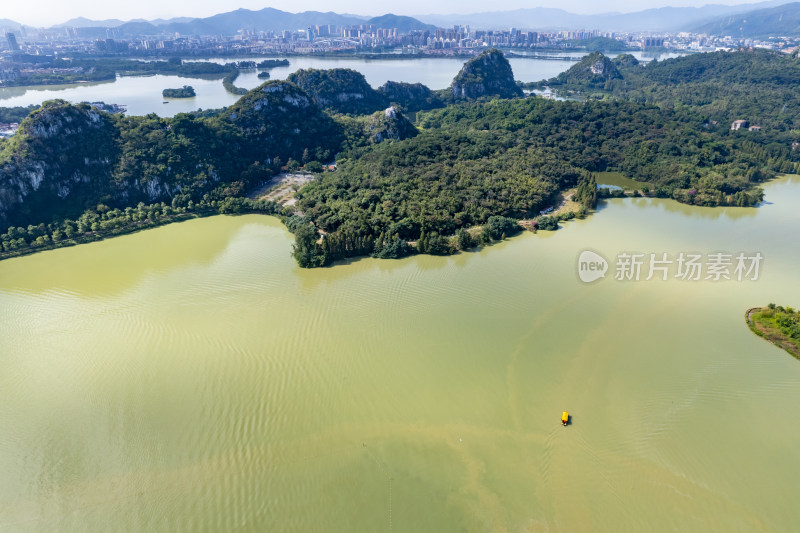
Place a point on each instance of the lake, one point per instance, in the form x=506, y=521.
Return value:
x=193, y=378
x=142, y=94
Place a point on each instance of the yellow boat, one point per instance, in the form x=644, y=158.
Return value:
x=564, y=418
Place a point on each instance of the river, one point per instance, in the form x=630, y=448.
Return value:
x=193, y=378
x=142, y=94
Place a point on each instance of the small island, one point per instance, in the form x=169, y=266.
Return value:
x=777, y=324
x=273, y=63
x=187, y=91
x=263, y=75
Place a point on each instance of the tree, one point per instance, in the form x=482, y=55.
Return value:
x=306, y=251
x=438, y=245
x=498, y=227
x=392, y=248
x=464, y=239
x=313, y=166
x=586, y=194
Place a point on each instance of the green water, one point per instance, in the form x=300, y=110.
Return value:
x=192, y=378
x=618, y=179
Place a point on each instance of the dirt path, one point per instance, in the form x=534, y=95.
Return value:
x=566, y=205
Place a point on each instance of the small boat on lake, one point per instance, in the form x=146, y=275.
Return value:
x=564, y=418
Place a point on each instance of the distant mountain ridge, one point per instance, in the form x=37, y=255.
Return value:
x=655, y=19
x=7, y=24
x=714, y=18
x=229, y=23
x=83, y=22
x=782, y=20
x=403, y=24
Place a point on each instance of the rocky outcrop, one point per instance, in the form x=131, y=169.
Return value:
x=488, y=74
x=340, y=90
x=389, y=124
x=594, y=70
x=63, y=154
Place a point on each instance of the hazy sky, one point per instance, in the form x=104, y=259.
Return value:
x=48, y=12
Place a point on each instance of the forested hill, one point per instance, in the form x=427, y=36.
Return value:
x=594, y=70
x=67, y=158
x=488, y=74
x=753, y=84
x=341, y=90
x=512, y=158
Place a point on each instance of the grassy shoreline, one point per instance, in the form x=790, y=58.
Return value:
x=765, y=322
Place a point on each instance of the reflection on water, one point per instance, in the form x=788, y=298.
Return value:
x=692, y=211
x=619, y=180
x=7, y=93
x=125, y=260
x=192, y=378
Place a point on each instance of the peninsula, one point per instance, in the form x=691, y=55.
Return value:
x=777, y=324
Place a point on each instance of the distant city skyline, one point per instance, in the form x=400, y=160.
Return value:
x=51, y=12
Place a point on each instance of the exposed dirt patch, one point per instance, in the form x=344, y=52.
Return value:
x=281, y=188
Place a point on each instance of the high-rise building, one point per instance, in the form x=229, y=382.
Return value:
x=12, y=42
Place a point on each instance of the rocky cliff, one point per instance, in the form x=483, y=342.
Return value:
x=488, y=74
x=63, y=155
x=389, y=124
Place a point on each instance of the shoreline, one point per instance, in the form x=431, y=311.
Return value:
x=774, y=336
x=567, y=205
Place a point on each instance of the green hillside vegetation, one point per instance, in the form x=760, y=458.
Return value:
x=594, y=71
x=625, y=61
x=513, y=158
x=187, y=91
x=411, y=96
x=340, y=90
x=68, y=158
x=756, y=85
